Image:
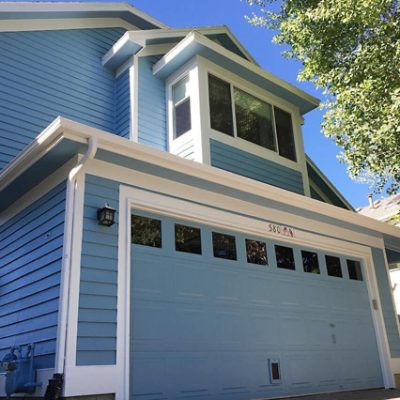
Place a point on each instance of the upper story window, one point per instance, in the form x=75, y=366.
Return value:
x=181, y=107
x=238, y=113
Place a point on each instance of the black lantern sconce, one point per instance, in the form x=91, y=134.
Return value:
x=106, y=215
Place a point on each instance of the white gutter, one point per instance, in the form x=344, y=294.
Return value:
x=67, y=256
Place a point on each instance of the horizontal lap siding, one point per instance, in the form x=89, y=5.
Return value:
x=385, y=294
x=123, y=105
x=31, y=256
x=246, y=164
x=97, y=317
x=152, y=108
x=45, y=74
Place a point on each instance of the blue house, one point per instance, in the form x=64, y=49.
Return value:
x=162, y=233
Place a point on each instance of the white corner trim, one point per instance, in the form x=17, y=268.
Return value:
x=23, y=25
x=91, y=380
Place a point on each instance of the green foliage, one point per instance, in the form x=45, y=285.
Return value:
x=351, y=49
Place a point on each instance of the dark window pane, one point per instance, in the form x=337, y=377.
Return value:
x=284, y=132
x=187, y=239
x=310, y=262
x=224, y=246
x=354, y=268
x=145, y=231
x=284, y=257
x=182, y=118
x=275, y=374
x=221, y=118
x=333, y=266
x=254, y=120
x=256, y=252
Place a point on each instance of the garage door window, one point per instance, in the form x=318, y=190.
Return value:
x=354, y=268
x=224, y=246
x=333, y=266
x=145, y=231
x=256, y=252
x=187, y=239
x=310, y=262
x=284, y=257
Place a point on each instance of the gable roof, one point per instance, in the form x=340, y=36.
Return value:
x=59, y=10
x=133, y=41
x=324, y=188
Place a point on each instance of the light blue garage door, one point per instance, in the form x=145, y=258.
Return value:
x=225, y=315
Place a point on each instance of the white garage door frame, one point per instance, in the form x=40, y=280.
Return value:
x=187, y=207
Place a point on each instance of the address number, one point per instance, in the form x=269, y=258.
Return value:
x=281, y=230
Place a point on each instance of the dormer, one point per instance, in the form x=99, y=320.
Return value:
x=218, y=106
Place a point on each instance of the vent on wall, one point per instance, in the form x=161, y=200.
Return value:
x=274, y=371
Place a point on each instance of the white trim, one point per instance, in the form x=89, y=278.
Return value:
x=126, y=65
x=141, y=37
x=38, y=191
x=21, y=25
x=175, y=144
x=91, y=380
x=66, y=7
x=62, y=127
x=196, y=37
x=127, y=176
x=177, y=207
x=235, y=81
x=71, y=262
x=124, y=295
x=134, y=88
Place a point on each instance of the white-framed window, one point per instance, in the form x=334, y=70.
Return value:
x=237, y=113
x=181, y=113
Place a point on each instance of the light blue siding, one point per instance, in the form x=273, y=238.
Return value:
x=385, y=294
x=246, y=164
x=31, y=256
x=123, y=105
x=45, y=74
x=152, y=126
x=97, y=317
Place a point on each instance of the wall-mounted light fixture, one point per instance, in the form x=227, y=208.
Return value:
x=106, y=215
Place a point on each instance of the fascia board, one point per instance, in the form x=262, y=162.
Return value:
x=131, y=42
x=64, y=128
x=31, y=9
x=194, y=40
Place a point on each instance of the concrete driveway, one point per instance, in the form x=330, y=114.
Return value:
x=379, y=394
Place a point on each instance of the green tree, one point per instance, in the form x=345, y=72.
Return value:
x=351, y=49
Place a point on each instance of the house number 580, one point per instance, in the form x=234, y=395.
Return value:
x=281, y=230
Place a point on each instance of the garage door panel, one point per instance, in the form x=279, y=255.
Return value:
x=190, y=281
x=262, y=330
x=225, y=285
x=293, y=331
x=151, y=277
x=209, y=328
x=264, y=290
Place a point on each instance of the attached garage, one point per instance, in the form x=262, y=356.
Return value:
x=223, y=314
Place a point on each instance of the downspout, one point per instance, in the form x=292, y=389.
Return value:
x=67, y=255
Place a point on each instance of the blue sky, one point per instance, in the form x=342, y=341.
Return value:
x=189, y=13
